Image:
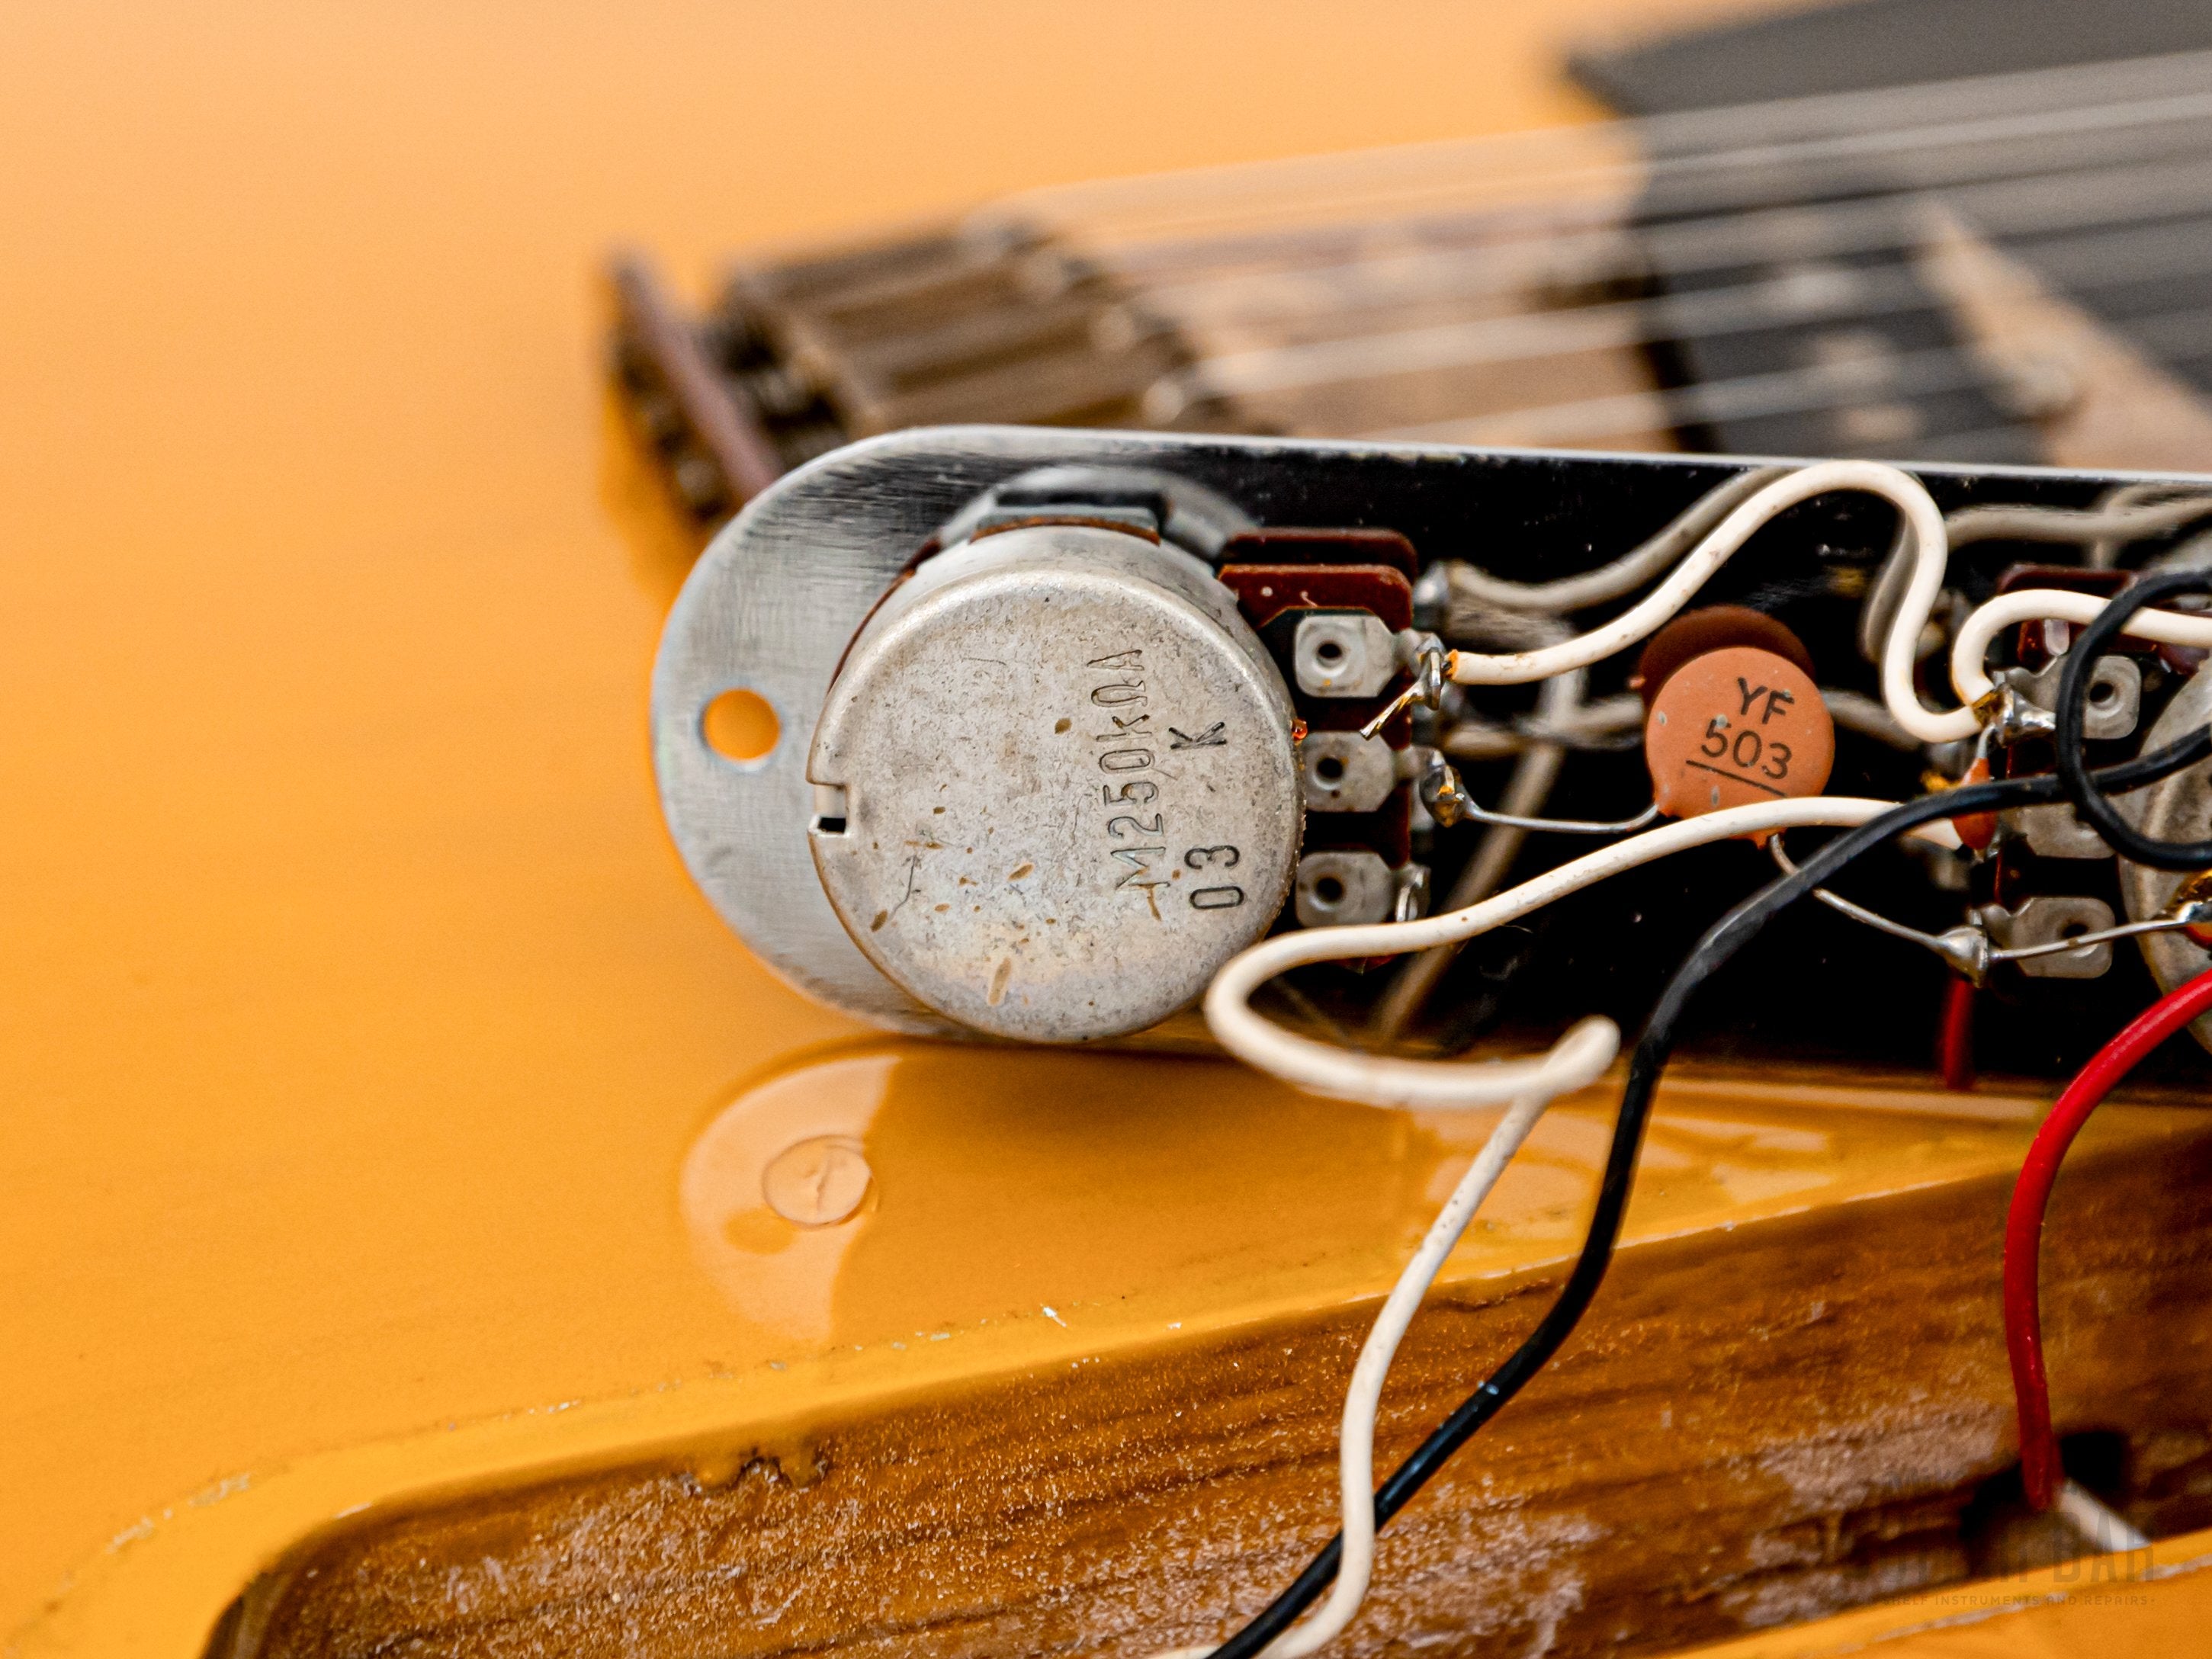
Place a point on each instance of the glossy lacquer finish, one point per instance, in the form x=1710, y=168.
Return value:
x=383, y=1109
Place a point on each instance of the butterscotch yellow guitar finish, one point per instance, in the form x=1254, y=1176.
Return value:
x=399, y=1157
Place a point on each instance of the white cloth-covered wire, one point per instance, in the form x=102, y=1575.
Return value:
x=1382, y=1080
x=1923, y=522
x=1926, y=548
x=1596, y=1041
x=1559, y=706
x=1615, y=717
x=1969, y=652
x=2125, y=513
x=1471, y=585
x=1526, y=1086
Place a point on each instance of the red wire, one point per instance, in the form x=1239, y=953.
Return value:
x=2039, y=1447
x=1955, y=1051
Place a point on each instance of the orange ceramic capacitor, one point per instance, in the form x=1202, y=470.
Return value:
x=1976, y=830
x=1735, y=726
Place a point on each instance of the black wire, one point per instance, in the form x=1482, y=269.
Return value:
x=1721, y=941
x=2089, y=802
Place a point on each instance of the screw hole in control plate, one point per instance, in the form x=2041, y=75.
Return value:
x=1329, y=890
x=740, y=725
x=1329, y=770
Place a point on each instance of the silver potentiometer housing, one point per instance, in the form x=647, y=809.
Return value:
x=1054, y=782
x=1035, y=778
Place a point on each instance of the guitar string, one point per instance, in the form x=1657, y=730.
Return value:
x=1895, y=122
x=2106, y=197
x=1185, y=270
x=2120, y=202
x=2082, y=206
x=1777, y=187
x=1828, y=294
x=2000, y=209
x=1174, y=394
x=1509, y=267
x=2101, y=199
x=2172, y=338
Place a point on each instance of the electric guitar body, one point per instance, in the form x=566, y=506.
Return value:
x=472, y=1192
